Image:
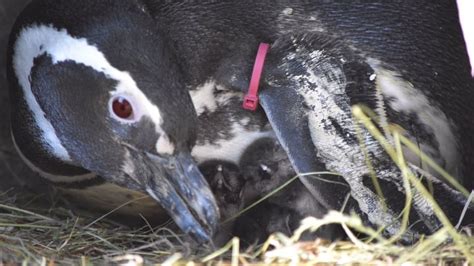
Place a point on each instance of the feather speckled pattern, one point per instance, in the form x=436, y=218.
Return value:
x=330, y=78
x=182, y=68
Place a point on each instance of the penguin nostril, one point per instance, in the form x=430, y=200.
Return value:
x=172, y=165
x=122, y=108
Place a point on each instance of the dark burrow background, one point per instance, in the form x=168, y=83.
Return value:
x=12, y=171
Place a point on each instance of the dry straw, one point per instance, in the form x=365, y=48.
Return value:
x=32, y=234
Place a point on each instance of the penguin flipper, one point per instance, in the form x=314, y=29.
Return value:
x=290, y=124
x=312, y=82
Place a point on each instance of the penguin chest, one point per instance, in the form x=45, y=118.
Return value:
x=108, y=197
x=225, y=129
x=90, y=192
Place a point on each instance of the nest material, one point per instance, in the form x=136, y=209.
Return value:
x=50, y=234
x=32, y=231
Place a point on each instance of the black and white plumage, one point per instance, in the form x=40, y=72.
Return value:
x=64, y=92
x=69, y=59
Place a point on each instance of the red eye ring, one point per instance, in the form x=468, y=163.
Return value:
x=122, y=108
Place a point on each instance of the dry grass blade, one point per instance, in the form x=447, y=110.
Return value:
x=36, y=234
x=280, y=188
x=27, y=236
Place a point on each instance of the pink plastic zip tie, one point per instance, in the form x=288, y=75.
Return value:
x=251, y=98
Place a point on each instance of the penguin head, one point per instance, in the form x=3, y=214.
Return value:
x=102, y=92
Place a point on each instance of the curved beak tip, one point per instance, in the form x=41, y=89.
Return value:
x=178, y=186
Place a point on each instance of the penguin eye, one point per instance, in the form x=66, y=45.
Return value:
x=122, y=108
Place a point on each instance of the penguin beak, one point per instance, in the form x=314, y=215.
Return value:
x=176, y=183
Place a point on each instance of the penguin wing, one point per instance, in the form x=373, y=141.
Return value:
x=288, y=99
x=312, y=82
x=285, y=110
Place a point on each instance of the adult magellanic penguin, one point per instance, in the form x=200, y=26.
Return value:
x=81, y=113
x=99, y=93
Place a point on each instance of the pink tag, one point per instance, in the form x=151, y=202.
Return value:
x=251, y=98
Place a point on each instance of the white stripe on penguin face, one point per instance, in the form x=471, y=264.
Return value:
x=36, y=40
